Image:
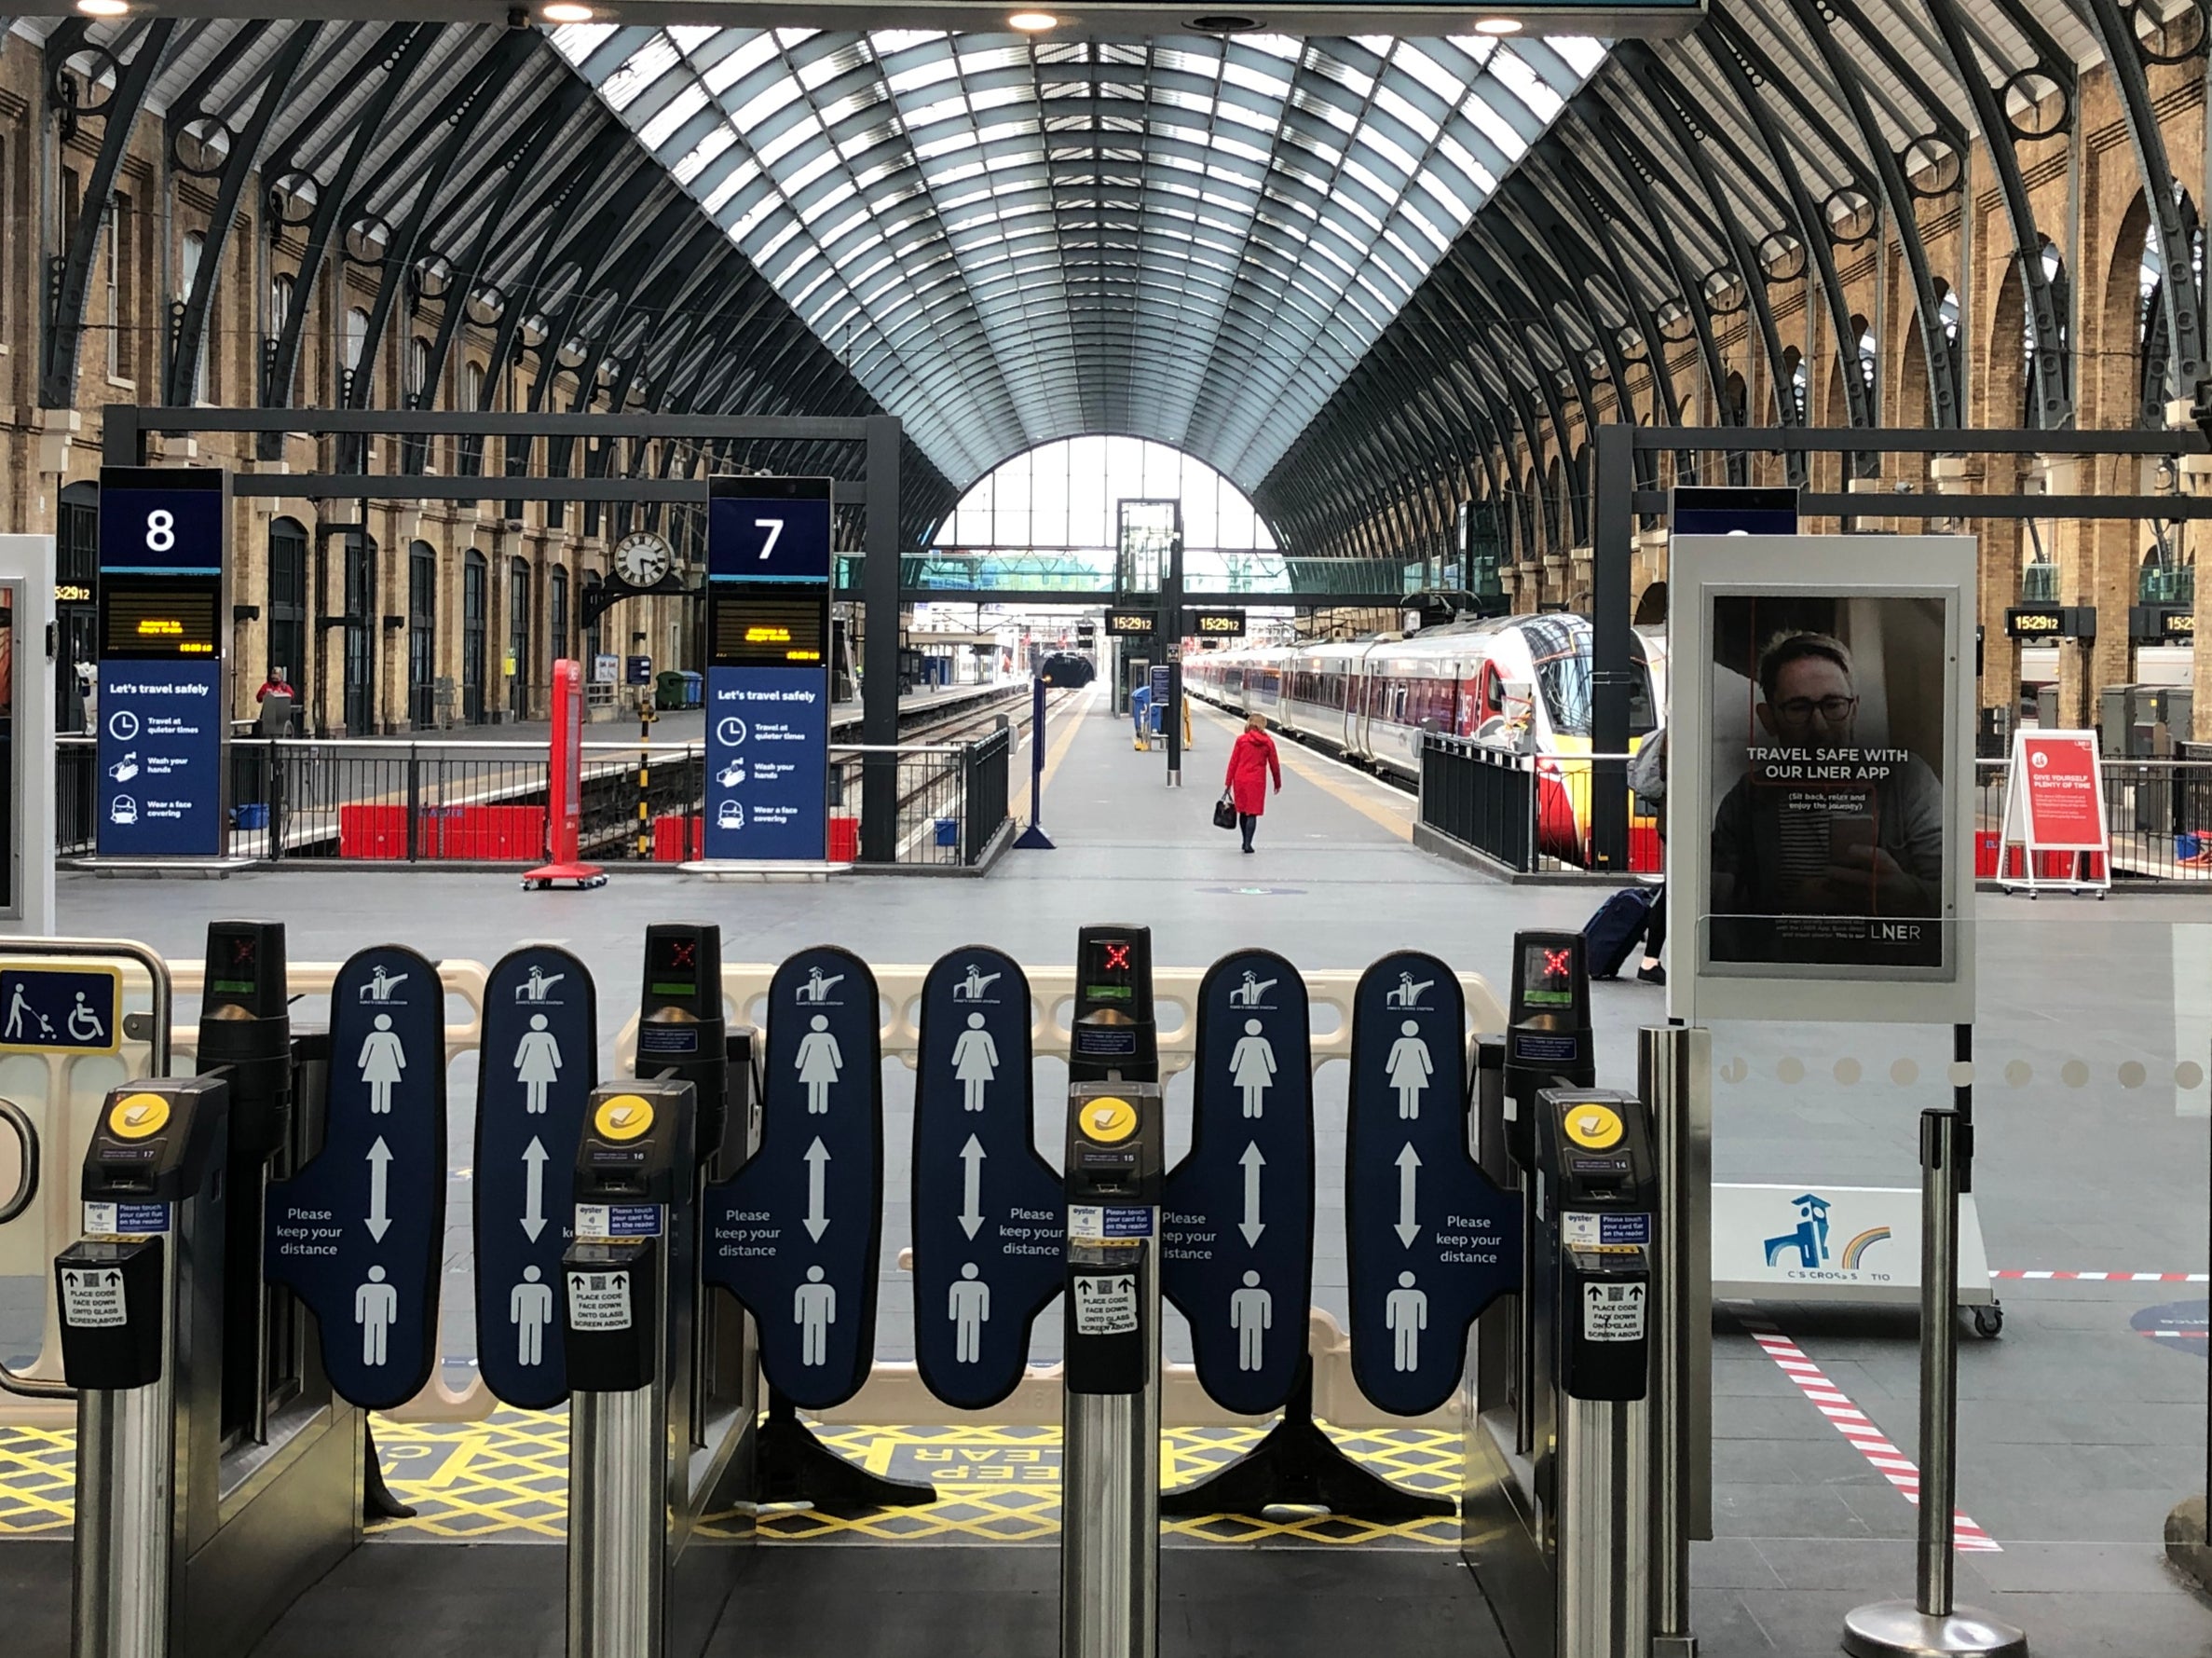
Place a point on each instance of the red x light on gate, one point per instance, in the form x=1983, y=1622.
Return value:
x=1118, y=958
x=1555, y=961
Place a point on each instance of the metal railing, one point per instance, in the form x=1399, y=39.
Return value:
x=417, y=802
x=1482, y=797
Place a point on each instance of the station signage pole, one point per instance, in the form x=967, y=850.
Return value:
x=164, y=614
x=768, y=669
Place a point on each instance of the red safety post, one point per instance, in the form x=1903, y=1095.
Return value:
x=564, y=792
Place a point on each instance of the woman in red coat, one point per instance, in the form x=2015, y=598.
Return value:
x=1251, y=759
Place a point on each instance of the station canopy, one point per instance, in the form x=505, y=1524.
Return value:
x=1010, y=239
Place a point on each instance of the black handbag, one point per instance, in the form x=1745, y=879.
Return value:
x=1224, y=811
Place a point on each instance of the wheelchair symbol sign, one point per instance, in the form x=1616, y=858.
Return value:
x=71, y=1010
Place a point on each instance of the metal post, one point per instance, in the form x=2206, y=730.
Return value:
x=125, y=1476
x=1110, y=1556
x=879, y=615
x=615, y=1567
x=1034, y=838
x=1931, y=1625
x=1612, y=551
x=1674, y=1077
x=1172, y=641
x=645, y=760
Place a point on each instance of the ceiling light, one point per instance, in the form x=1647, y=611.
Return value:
x=565, y=11
x=1032, y=22
x=1498, y=26
x=103, y=8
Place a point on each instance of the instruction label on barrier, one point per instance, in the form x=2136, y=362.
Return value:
x=618, y=1220
x=1105, y=1306
x=598, y=1300
x=1580, y=1230
x=93, y=1299
x=1613, y=1312
x=668, y=1041
x=126, y=1220
x=1090, y=1222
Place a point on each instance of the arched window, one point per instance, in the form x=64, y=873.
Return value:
x=475, y=584
x=518, y=639
x=356, y=341
x=360, y=634
x=279, y=303
x=194, y=252
x=422, y=635
x=286, y=609
x=418, y=370
x=591, y=645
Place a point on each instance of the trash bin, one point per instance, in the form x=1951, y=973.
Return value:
x=694, y=690
x=668, y=688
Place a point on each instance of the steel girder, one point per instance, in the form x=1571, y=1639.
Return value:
x=69, y=277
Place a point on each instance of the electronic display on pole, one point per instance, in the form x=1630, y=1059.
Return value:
x=768, y=567
x=164, y=609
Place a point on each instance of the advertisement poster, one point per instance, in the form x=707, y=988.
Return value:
x=1820, y=788
x=161, y=760
x=1827, y=784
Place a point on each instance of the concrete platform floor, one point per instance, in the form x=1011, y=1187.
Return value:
x=2079, y=1425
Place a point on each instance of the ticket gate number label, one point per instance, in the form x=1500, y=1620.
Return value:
x=61, y=1010
x=989, y=1235
x=1430, y=1241
x=794, y=1234
x=1237, y=1216
x=536, y=1071
x=359, y=1233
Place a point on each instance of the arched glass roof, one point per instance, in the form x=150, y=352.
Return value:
x=1009, y=240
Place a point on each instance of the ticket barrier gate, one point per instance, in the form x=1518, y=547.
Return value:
x=1113, y=1167
x=665, y=1424
x=218, y=1474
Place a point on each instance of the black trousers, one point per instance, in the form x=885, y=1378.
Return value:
x=1654, y=925
x=1248, y=822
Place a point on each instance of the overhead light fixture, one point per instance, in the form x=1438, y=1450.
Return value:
x=1498, y=26
x=103, y=8
x=1032, y=22
x=565, y=11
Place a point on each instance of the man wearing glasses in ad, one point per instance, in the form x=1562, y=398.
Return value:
x=1820, y=826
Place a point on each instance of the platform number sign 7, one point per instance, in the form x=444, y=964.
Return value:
x=775, y=530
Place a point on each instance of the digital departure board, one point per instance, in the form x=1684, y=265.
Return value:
x=1128, y=623
x=764, y=627
x=1217, y=625
x=154, y=618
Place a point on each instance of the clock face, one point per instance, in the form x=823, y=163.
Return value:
x=642, y=559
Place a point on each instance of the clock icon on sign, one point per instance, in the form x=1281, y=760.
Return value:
x=642, y=558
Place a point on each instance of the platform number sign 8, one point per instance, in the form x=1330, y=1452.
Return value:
x=161, y=531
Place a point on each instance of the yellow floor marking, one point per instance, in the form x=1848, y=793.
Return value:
x=1327, y=776
x=1071, y=718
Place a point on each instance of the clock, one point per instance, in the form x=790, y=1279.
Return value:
x=642, y=558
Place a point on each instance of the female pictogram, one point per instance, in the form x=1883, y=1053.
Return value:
x=819, y=1061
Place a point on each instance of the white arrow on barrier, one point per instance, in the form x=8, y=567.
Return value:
x=534, y=1188
x=1251, y=1226
x=380, y=1178
x=817, y=1161
x=1408, y=1162
x=971, y=1185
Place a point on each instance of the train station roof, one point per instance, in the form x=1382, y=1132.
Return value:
x=1334, y=268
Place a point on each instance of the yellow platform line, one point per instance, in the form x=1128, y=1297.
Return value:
x=1328, y=777
x=1072, y=717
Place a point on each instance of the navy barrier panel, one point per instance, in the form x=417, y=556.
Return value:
x=989, y=1230
x=794, y=1234
x=1237, y=1222
x=358, y=1234
x=1430, y=1242
x=538, y=1066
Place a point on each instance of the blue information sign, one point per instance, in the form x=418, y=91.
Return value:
x=1237, y=1218
x=160, y=521
x=767, y=763
x=65, y=1010
x=535, y=1070
x=990, y=1227
x=794, y=1234
x=768, y=529
x=162, y=728
x=1429, y=1241
x=359, y=1233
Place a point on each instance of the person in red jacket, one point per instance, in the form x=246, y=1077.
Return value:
x=1251, y=760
